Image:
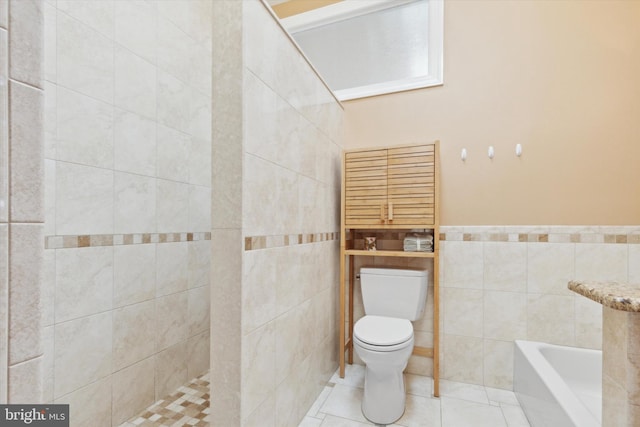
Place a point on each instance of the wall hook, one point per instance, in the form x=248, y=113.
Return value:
x=519, y=150
x=463, y=154
x=491, y=152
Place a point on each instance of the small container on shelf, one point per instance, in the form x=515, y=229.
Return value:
x=370, y=244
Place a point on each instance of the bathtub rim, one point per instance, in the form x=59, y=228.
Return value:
x=557, y=387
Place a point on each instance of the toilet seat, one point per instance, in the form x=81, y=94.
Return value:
x=378, y=333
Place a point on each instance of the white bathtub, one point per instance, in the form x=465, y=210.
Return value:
x=558, y=386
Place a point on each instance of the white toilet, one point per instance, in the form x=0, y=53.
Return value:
x=383, y=338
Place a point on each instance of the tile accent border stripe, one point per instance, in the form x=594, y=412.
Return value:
x=252, y=243
x=91, y=240
x=552, y=234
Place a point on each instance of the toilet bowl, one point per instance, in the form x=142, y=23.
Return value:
x=384, y=344
x=383, y=338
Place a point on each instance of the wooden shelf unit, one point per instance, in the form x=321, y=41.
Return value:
x=394, y=188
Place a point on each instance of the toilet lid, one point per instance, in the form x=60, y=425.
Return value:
x=382, y=331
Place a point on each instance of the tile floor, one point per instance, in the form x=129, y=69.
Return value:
x=188, y=406
x=459, y=405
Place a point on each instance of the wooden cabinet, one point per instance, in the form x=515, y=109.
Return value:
x=391, y=188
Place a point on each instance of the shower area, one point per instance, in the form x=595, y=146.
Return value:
x=146, y=148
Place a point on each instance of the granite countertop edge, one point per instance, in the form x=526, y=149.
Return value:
x=619, y=296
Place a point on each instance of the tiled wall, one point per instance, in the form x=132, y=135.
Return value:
x=291, y=181
x=277, y=232
x=499, y=284
x=128, y=181
x=21, y=200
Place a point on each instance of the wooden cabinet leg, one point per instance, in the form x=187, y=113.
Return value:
x=341, y=322
x=351, y=280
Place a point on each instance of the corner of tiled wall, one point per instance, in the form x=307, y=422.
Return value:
x=21, y=200
x=226, y=214
x=127, y=203
x=291, y=175
x=4, y=199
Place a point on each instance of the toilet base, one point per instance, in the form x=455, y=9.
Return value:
x=384, y=396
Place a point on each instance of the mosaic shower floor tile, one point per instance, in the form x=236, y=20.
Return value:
x=187, y=406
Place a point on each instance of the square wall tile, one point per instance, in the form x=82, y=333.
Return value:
x=133, y=334
x=84, y=129
x=173, y=154
x=90, y=405
x=258, y=362
x=96, y=15
x=463, y=359
x=174, y=47
x=136, y=27
x=199, y=253
x=182, y=107
x=134, y=203
x=171, y=320
x=133, y=389
x=601, y=261
x=505, y=315
x=4, y=306
x=50, y=119
x=199, y=208
x=505, y=266
x=26, y=146
x=171, y=369
x=498, y=364
x=134, y=274
x=634, y=263
x=26, y=42
x=84, y=282
x=172, y=199
x=49, y=197
x=47, y=364
x=25, y=382
x=83, y=352
x=135, y=143
x=462, y=264
x=550, y=266
x=198, y=310
x=265, y=415
x=550, y=318
x=50, y=51
x=25, y=293
x=4, y=127
x=84, y=200
x=135, y=83
x=171, y=268
x=198, y=354
x=85, y=58
x=200, y=162
x=4, y=13
x=463, y=311
x=259, y=287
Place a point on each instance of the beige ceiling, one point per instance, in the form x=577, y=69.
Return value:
x=285, y=8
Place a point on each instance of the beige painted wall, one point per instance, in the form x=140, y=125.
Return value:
x=559, y=77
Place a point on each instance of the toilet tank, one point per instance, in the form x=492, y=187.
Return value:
x=394, y=292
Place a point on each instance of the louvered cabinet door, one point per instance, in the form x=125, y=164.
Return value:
x=411, y=185
x=365, y=188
